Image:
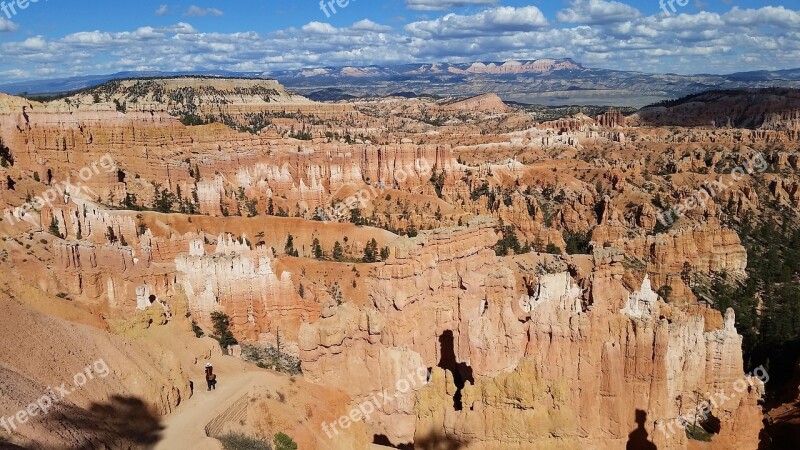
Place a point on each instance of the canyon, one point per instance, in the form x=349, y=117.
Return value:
x=521, y=266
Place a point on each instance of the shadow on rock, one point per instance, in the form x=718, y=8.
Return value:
x=438, y=442
x=638, y=439
x=122, y=422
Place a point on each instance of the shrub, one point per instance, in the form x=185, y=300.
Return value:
x=665, y=292
x=662, y=227
x=237, y=441
x=437, y=179
x=197, y=330
x=577, y=243
x=269, y=357
x=284, y=442
x=698, y=433
x=508, y=243
x=112, y=237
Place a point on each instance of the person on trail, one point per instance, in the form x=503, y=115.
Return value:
x=211, y=378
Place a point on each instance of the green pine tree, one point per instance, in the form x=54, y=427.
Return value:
x=338, y=252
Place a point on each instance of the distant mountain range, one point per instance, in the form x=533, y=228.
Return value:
x=545, y=81
x=539, y=66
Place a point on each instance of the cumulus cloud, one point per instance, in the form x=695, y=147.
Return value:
x=443, y=5
x=196, y=11
x=492, y=21
x=319, y=28
x=162, y=10
x=7, y=25
x=597, y=12
x=773, y=16
x=368, y=25
x=597, y=33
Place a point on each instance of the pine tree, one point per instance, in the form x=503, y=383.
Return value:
x=355, y=217
x=54, y=228
x=371, y=252
x=317, y=249
x=163, y=200
x=112, y=238
x=222, y=324
x=338, y=251
x=251, y=208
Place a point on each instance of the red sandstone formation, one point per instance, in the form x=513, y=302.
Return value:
x=559, y=346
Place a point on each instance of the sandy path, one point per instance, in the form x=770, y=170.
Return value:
x=185, y=428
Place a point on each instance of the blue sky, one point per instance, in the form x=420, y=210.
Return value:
x=55, y=38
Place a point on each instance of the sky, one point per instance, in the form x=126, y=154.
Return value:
x=62, y=38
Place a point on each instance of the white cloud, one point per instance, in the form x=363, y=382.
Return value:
x=773, y=16
x=319, y=28
x=501, y=20
x=7, y=25
x=162, y=10
x=368, y=25
x=443, y=5
x=589, y=31
x=196, y=11
x=597, y=12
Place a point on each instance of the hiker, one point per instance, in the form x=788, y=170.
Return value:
x=211, y=378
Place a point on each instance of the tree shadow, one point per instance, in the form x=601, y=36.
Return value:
x=638, y=438
x=436, y=441
x=122, y=422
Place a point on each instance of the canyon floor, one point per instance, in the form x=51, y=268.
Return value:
x=397, y=272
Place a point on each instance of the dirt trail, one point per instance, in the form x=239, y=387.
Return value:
x=186, y=427
x=257, y=402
